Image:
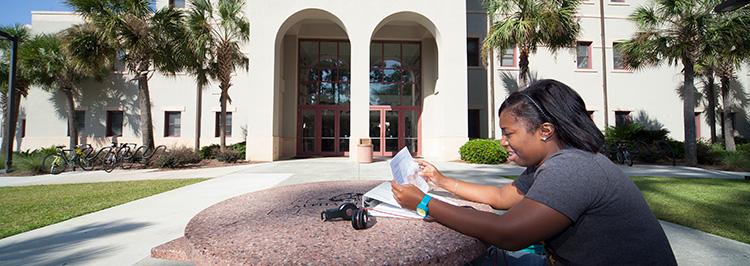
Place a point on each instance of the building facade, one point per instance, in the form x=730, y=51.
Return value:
x=325, y=74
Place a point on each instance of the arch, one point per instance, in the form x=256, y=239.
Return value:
x=306, y=23
x=400, y=18
x=400, y=44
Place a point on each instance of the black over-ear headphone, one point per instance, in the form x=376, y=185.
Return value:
x=347, y=211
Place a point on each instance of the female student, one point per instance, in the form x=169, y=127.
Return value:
x=571, y=198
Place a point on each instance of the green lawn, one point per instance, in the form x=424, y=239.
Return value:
x=717, y=206
x=24, y=208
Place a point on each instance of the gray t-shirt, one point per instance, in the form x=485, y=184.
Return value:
x=612, y=224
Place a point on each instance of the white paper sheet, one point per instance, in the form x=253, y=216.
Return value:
x=405, y=170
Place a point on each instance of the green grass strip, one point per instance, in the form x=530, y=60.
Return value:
x=24, y=208
x=716, y=206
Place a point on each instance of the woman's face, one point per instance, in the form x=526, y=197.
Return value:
x=525, y=148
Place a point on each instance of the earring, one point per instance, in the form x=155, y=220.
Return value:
x=544, y=139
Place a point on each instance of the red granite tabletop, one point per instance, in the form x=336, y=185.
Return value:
x=282, y=226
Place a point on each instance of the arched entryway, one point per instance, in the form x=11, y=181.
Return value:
x=313, y=62
x=324, y=97
x=400, y=45
x=395, y=96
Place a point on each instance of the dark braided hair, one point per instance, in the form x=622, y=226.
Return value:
x=554, y=102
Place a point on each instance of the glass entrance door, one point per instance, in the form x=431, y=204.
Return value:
x=392, y=128
x=324, y=131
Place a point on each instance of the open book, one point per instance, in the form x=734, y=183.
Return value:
x=380, y=198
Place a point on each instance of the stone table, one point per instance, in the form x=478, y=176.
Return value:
x=282, y=226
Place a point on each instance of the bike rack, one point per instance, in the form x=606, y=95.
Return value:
x=639, y=143
x=125, y=149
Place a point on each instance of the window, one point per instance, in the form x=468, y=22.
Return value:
x=584, y=55
x=472, y=51
x=697, y=125
x=508, y=57
x=617, y=1
x=591, y=114
x=473, y=123
x=324, y=72
x=619, y=62
x=81, y=120
x=172, y=123
x=114, y=123
x=119, y=65
x=395, y=73
x=177, y=3
x=622, y=118
x=229, y=124
x=22, y=134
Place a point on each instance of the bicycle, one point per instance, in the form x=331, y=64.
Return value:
x=114, y=156
x=623, y=154
x=57, y=162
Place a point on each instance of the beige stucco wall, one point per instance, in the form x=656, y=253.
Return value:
x=265, y=97
x=358, y=22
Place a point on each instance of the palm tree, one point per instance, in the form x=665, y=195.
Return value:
x=146, y=42
x=22, y=82
x=728, y=47
x=529, y=24
x=53, y=64
x=707, y=75
x=673, y=31
x=217, y=33
x=198, y=47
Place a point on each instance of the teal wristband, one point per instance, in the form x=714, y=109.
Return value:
x=422, y=207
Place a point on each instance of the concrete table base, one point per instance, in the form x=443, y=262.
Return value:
x=283, y=226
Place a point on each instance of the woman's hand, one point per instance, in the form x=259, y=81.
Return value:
x=408, y=196
x=430, y=173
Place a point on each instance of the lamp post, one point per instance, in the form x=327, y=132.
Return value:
x=10, y=130
x=731, y=5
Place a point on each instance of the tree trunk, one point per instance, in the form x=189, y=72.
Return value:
x=728, y=125
x=198, y=111
x=691, y=154
x=711, y=105
x=523, y=65
x=144, y=100
x=223, y=121
x=10, y=121
x=5, y=123
x=72, y=121
x=224, y=60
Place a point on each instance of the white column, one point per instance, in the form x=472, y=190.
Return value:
x=360, y=89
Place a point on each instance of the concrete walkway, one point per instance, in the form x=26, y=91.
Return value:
x=125, y=234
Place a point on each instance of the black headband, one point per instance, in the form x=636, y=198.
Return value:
x=537, y=106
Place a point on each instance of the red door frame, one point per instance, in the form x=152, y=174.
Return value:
x=317, y=146
x=401, y=129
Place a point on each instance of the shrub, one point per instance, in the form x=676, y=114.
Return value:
x=483, y=151
x=678, y=147
x=228, y=156
x=709, y=154
x=240, y=147
x=744, y=148
x=636, y=132
x=211, y=151
x=30, y=163
x=735, y=161
x=207, y=152
x=178, y=157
